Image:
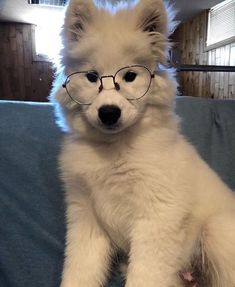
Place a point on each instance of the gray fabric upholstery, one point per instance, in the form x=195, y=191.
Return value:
x=31, y=202
x=32, y=225
x=210, y=126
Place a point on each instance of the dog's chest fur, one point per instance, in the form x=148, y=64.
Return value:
x=122, y=186
x=114, y=189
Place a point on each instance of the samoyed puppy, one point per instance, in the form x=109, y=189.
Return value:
x=132, y=181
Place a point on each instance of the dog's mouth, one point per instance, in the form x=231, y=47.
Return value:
x=110, y=129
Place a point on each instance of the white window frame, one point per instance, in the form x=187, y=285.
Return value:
x=215, y=44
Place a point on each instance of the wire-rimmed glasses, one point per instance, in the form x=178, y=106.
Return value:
x=133, y=82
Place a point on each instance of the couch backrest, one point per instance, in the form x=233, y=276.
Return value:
x=210, y=126
x=29, y=135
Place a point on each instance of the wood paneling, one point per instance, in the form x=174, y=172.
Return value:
x=190, y=39
x=22, y=78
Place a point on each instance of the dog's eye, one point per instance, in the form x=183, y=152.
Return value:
x=130, y=76
x=92, y=77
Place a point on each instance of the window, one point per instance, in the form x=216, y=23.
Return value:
x=221, y=24
x=47, y=34
x=48, y=2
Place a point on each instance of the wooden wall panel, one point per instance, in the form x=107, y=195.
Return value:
x=22, y=78
x=190, y=39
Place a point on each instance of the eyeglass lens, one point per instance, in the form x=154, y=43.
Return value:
x=132, y=82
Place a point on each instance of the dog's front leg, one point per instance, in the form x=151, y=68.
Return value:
x=88, y=249
x=154, y=256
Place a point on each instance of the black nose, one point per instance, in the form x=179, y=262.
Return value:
x=109, y=114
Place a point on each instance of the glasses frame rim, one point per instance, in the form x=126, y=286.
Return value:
x=116, y=85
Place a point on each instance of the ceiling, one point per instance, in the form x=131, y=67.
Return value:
x=20, y=11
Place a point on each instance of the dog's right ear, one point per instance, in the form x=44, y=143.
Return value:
x=78, y=15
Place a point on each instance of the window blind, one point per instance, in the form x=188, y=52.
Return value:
x=221, y=22
x=48, y=2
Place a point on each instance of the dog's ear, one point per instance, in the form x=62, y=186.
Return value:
x=79, y=13
x=152, y=19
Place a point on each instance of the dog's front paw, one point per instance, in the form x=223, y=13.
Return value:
x=74, y=281
x=66, y=283
x=71, y=282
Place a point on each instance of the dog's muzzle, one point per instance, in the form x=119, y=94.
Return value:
x=109, y=115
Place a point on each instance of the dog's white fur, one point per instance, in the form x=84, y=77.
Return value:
x=142, y=187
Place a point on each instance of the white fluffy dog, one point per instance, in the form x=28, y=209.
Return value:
x=133, y=183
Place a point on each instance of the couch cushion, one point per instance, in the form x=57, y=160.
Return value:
x=31, y=203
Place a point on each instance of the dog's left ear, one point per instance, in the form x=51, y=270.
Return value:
x=152, y=16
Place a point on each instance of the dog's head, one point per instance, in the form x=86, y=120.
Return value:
x=109, y=64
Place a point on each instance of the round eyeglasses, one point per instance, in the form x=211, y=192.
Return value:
x=133, y=82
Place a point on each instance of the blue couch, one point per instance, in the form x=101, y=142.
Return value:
x=32, y=223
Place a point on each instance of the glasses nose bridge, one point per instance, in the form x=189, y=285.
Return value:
x=107, y=85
